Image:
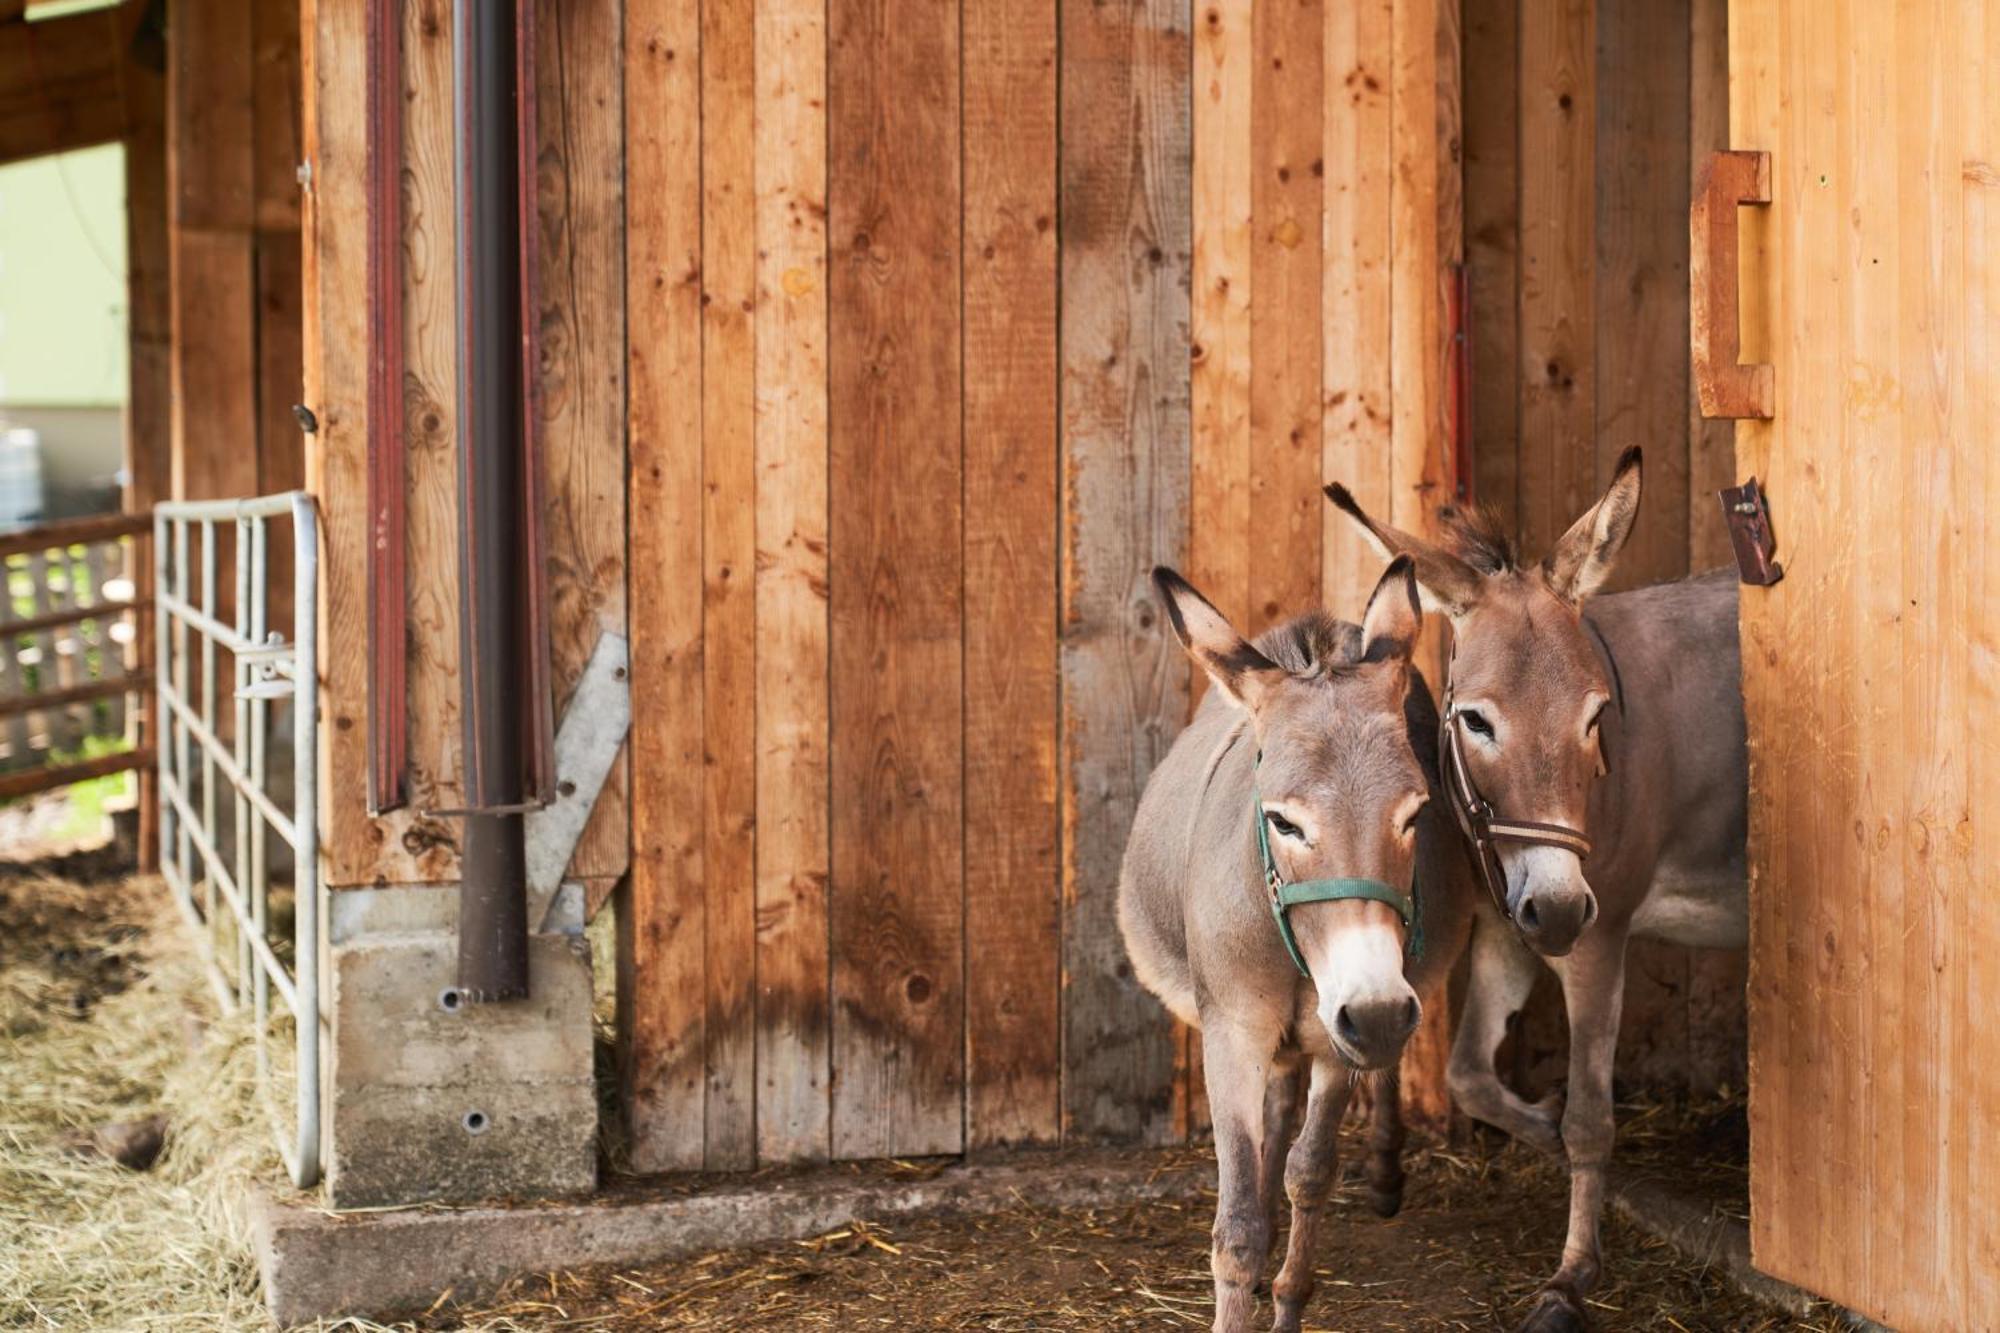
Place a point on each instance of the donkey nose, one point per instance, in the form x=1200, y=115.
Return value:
x=1551, y=921
x=1374, y=1030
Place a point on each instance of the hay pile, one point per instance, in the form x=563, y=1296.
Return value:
x=105, y=1017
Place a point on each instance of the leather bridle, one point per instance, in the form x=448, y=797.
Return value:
x=1481, y=824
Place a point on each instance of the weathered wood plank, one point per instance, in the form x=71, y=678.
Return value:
x=1126, y=248
x=1287, y=235
x=274, y=34
x=1492, y=247
x=336, y=379
x=1557, y=363
x=793, y=1053
x=430, y=438
x=1641, y=279
x=1711, y=444
x=211, y=99
x=1012, y=921
x=1357, y=290
x=729, y=559
x=662, y=978
x=214, y=365
x=580, y=381
x=63, y=84
x=281, y=463
x=896, y=563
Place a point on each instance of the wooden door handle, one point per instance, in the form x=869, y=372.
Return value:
x=1725, y=388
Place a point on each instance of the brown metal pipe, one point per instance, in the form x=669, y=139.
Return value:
x=494, y=559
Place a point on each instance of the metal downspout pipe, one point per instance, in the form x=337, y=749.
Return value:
x=494, y=494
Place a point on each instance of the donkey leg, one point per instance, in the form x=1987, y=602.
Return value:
x=1594, y=993
x=1281, y=1108
x=1385, y=1146
x=1503, y=972
x=1309, y=1177
x=1239, y=1067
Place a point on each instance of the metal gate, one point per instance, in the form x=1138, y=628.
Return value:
x=216, y=808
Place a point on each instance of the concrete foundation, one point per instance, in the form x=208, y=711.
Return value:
x=319, y=1266
x=435, y=1100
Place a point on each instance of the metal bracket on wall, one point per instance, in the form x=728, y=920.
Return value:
x=1748, y=513
x=593, y=730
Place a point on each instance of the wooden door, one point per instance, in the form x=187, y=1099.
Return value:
x=1871, y=285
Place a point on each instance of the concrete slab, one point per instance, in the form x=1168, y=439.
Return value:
x=320, y=1265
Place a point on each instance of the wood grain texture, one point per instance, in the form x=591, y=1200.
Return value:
x=662, y=979
x=1126, y=249
x=1492, y=247
x=896, y=562
x=280, y=384
x=729, y=583
x=1357, y=290
x=1558, y=101
x=211, y=98
x=63, y=84
x=430, y=437
x=274, y=39
x=214, y=364
x=1711, y=444
x=1640, y=305
x=580, y=379
x=1871, y=291
x=1287, y=235
x=792, y=1016
x=1013, y=1037
x=335, y=266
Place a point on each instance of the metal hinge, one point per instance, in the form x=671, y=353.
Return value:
x=1748, y=513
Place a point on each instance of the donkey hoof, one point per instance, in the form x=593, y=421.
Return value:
x=1553, y=1312
x=1386, y=1200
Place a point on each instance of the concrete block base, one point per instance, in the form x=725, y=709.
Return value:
x=435, y=1099
x=368, y=1265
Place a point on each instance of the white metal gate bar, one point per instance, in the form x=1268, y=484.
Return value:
x=226, y=898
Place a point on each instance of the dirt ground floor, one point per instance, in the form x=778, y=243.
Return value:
x=105, y=1021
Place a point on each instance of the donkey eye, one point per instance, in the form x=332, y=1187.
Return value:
x=1410, y=820
x=1477, y=721
x=1284, y=827
x=1590, y=727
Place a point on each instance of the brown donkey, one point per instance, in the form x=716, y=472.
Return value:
x=1595, y=760
x=1266, y=898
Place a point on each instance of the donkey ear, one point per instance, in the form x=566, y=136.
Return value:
x=1395, y=615
x=1582, y=560
x=1448, y=583
x=1236, y=667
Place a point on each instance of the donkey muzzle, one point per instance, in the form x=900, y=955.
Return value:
x=1554, y=905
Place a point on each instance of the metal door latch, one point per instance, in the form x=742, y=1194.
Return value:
x=1748, y=514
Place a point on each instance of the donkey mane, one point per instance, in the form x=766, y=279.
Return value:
x=1313, y=644
x=1475, y=536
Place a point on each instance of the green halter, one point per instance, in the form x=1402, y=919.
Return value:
x=1285, y=896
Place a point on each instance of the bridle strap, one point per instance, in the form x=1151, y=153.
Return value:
x=1285, y=895
x=1482, y=827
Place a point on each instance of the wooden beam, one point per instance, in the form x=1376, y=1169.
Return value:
x=1126, y=249
x=47, y=779
x=63, y=84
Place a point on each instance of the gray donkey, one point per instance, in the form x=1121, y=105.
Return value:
x=1596, y=760
x=1266, y=899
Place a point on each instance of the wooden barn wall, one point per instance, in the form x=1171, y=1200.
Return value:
x=1584, y=123
x=891, y=396
x=579, y=327
x=921, y=390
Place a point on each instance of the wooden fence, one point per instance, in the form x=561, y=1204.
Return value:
x=72, y=651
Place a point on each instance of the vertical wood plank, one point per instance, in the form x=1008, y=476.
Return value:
x=210, y=101
x=1287, y=235
x=1357, y=289
x=580, y=382
x=1558, y=99
x=430, y=433
x=1225, y=71
x=792, y=1013
x=274, y=30
x=1012, y=921
x=214, y=364
x=279, y=385
x=662, y=978
x=1640, y=308
x=898, y=902
x=1492, y=247
x=729, y=557
x=1126, y=248
x=1711, y=444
